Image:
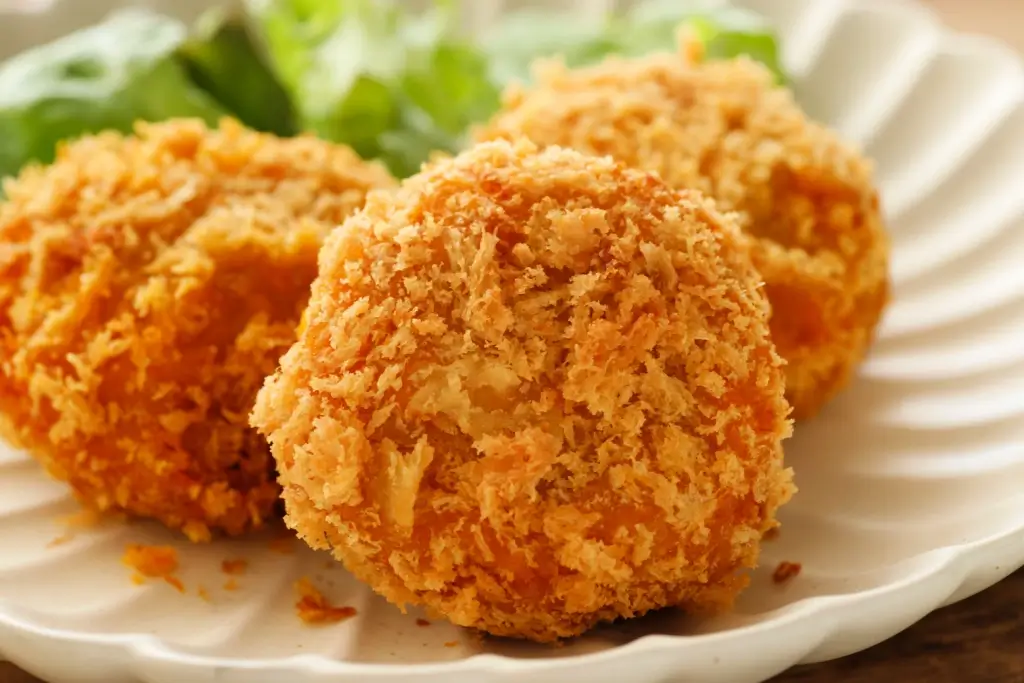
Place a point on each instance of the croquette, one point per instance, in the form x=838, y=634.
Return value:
x=536, y=391
x=148, y=284
x=725, y=128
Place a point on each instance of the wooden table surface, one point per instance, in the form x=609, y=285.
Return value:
x=980, y=640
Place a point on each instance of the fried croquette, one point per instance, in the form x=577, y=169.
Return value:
x=536, y=391
x=725, y=128
x=148, y=284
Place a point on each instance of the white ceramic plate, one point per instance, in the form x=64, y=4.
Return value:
x=912, y=483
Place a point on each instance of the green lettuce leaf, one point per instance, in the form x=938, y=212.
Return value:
x=104, y=77
x=392, y=84
x=223, y=58
x=652, y=26
x=522, y=37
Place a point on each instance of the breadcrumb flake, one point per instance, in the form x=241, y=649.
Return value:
x=153, y=561
x=786, y=571
x=234, y=567
x=313, y=608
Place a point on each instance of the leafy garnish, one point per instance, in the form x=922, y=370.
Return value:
x=653, y=26
x=393, y=85
x=105, y=77
x=224, y=58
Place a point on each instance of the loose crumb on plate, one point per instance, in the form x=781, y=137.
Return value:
x=314, y=608
x=83, y=519
x=786, y=571
x=60, y=540
x=204, y=594
x=452, y=643
x=154, y=561
x=176, y=583
x=422, y=622
x=86, y=518
x=231, y=585
x=283, y=545
x=234, y=567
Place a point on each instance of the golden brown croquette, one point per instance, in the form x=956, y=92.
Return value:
x=148, y=284
x=726, y=129
x=536, y=391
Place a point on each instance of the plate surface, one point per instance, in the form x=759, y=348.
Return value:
x=912, y=483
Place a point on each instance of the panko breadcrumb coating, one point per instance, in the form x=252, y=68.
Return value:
x=148, y=284
x=536, y=391
x=726, y=129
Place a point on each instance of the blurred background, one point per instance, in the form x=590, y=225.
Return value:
x=1001, y=18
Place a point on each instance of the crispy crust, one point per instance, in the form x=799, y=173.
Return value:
x=725, y=129
x=148, y=284
x=536, y=391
